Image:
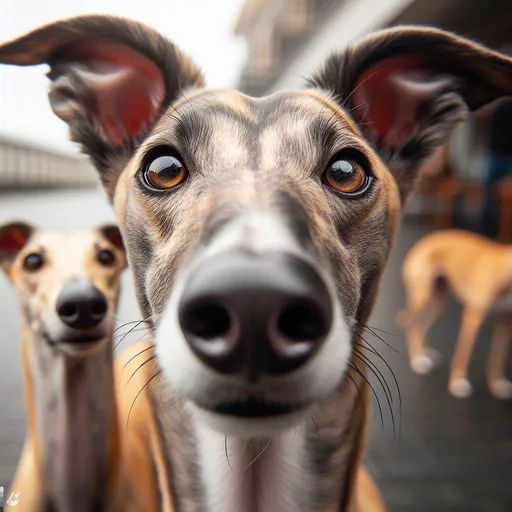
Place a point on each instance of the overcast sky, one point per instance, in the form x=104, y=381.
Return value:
x=203, y=28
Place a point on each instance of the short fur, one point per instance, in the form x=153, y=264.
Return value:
x=255, y=174
x=71, y=456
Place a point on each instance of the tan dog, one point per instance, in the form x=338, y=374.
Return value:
x=68, y=288
x=479, y=273
x=257, y=230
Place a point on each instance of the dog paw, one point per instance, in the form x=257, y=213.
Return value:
x=422, y=364
x=460, y=388
x=501, y=388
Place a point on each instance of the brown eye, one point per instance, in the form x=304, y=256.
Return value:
x=164, y=172
x=106, y=258
x=346, y=176
x=33, y=262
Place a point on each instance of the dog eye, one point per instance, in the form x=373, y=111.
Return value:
x=346, y=177
x=33, y=262
x=106, y=258
x=164, y=172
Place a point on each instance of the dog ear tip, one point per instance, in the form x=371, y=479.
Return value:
x=14, y=235
x=113, y=234
x=18, y=223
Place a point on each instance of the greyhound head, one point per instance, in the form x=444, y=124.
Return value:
x=68, y=285
x=257, y=228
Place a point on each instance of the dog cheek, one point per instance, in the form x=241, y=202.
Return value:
x=157, y=287
x=343, y=268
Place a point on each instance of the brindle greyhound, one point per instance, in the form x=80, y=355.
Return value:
x=68, y=288
x=257, y=230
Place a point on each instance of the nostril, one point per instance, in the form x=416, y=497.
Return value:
x=207, y=321
x=99, y=308
x=303, y=322
x=68, y=310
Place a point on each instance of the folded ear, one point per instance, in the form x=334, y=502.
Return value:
x=13, y=237
x=111, y=80
x=408, y=87
x=112, y=233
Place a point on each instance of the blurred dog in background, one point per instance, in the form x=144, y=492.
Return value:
x=68, y=288
x=478, y=272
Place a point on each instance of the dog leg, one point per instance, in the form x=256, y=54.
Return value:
x=459, y=385
x=423, y=358
x=499, y=385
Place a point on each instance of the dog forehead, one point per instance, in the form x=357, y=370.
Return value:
x=286, y=106
x=65, y=250
x=228, y=129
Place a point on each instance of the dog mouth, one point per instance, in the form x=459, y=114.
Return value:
x=251, y=417
x=253, y=408
x=78, y=342
x=83, y=339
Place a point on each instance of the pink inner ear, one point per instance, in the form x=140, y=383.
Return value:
x=113, y=235
x=124, y=89
x=13, y=239
x=388, y=98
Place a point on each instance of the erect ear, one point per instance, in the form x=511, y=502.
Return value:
x=111, y=80
x=407, y=88
x=112, y=233
x=13, y=237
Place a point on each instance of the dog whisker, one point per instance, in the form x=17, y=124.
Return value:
x=258, y=456
x=140, y=329
x=203, y=439
x=372, y=328
x=226, y=451
x=316, y=427
x=375, y=394
x=361, y=399
x=128, y=323
x=399, y=393
x=383, y=340
x=130, y=331
x=345, y=101
x=137, y=396
x=378, y=374
x=148, y=360
x=383, y=384
x=137, y=355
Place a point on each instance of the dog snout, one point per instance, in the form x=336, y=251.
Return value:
x=81, y=305
x=255, y=313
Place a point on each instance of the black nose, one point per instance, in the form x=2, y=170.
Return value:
x=251, y=313
x=81, y=305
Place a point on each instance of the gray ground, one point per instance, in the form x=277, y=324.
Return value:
x=451, y=456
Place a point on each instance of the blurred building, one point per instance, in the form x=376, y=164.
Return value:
x=26, y=165
x=288, y=40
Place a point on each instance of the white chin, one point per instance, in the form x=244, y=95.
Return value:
x=247, y=427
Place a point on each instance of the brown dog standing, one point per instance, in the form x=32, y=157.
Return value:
x=257, y=230
x=478, y=272
x=68, y=288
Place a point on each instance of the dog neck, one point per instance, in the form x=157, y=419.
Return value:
x=310, y=467
x=71, y=423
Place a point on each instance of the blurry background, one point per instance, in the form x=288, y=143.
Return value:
x=434, y=453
